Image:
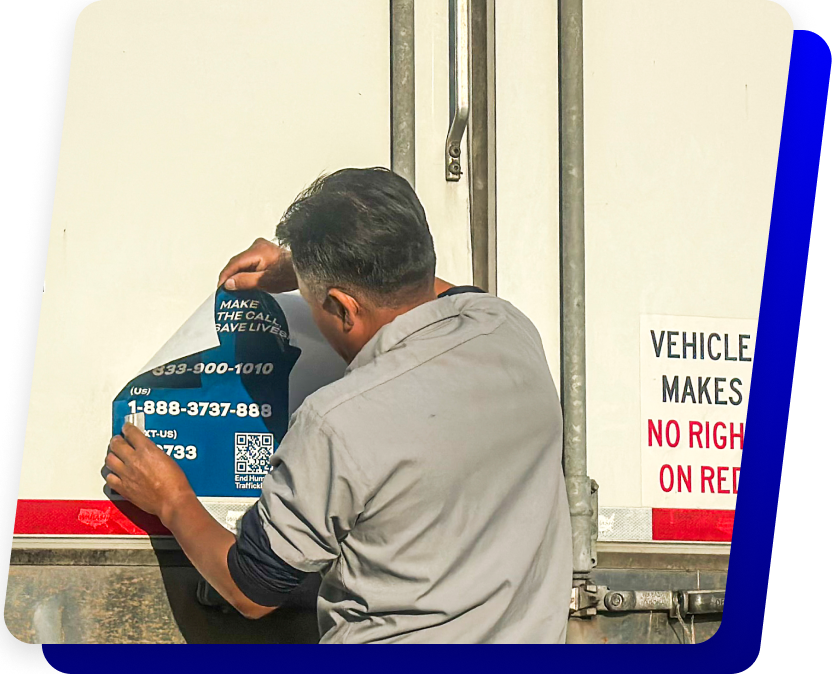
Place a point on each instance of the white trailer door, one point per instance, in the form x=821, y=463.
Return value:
x=190, y=125
x=683, y=114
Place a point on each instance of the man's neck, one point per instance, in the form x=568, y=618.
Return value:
x=386, y=315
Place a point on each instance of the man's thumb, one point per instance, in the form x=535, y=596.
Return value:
x=244, y=281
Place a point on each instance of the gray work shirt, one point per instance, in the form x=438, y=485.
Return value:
x=426, y=485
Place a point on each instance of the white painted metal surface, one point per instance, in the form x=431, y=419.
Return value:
x=446, y=203
x=684, y=105
x=528, y=254
x=190, y=126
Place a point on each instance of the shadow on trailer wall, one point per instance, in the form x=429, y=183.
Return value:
x=89, y=596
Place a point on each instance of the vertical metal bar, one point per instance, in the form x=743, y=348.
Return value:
x=493, y=285
x=402, y=91
x=482, y=191
x=460, y=90
x=572, y=283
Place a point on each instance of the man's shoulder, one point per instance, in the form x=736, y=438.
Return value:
x=490, y=312
x=496, y=305
x=338, y=394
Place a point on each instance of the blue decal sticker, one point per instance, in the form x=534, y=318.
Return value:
x=221, y=413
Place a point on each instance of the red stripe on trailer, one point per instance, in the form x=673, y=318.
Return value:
x=85, y=518
x=120, y=518
x=671, y=524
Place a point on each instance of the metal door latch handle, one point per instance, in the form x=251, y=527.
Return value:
x=461, y=89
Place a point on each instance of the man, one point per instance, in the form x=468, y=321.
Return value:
x=426, y=485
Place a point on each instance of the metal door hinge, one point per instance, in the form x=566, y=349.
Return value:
x=585, y=599
x=674, y=602
x=589, y=599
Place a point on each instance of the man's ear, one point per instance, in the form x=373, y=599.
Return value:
x=343, y=306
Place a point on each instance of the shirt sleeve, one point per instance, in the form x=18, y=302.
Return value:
x=258, y=572
x=312, y=497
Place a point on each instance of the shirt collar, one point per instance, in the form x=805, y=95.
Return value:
x=404, y=326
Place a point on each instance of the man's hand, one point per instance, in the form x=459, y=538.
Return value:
x=263, y=266
x=145, y=475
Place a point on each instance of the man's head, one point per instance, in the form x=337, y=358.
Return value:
x=362, y=251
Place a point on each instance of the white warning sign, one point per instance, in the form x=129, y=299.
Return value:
x=695, y=378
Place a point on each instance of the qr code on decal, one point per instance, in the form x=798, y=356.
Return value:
x=252, y=453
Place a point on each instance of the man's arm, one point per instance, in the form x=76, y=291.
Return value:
x=152, y=480
x=207, y=544
x=267, y=266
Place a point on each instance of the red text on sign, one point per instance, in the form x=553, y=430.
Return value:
x=701, y=435
x=712, y=479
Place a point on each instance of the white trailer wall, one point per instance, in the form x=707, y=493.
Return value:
x=190, y=125
x=683, y=103
x=527, y=149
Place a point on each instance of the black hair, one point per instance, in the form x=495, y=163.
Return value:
x=361, y=230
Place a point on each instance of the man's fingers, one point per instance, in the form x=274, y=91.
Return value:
x=115, y=464
x=135, y=437
x=261, y=255
x=120, y=447
x=242, y=262
x=244, y=281
x=113, y=481
x=252, y=259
